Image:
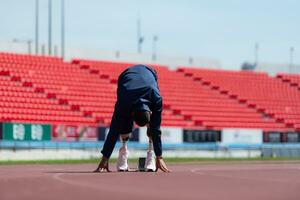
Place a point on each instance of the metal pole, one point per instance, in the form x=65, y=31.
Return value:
x=155, y=38
x=139, y=36
x=29, y=46
x=191, y=60
x=62, y=29
x=36, y=26
x=291, y=58
x=256, y=48
x=55, y=51
x=43, y=49
x=49, y=27
x=26, y=42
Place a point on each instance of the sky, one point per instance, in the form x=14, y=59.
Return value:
x=226, y=30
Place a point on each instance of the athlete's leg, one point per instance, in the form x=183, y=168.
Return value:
x=124, y=139
x=150, y=159
x=122, y=164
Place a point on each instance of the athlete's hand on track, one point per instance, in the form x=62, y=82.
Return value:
x=160, y=164
x=103, y=165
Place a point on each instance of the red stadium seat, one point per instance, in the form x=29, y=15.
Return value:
x=47, y=90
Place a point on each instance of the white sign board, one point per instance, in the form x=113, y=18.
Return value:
x=242, y=136
x=169, y=135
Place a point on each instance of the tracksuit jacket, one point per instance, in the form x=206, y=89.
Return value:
x=137, y=91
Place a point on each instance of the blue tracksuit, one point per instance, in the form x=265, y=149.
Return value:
x=137, y=90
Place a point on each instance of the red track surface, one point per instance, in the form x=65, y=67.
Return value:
x=234, y=181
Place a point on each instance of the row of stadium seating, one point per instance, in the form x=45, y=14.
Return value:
x=264, y=94
x=40, y=89
x=198, y=105
x=291, y=79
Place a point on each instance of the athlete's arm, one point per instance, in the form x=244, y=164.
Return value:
x=103, y=165
x=155, y=133
x=111, y=138
x=108, y=146
x=154, y=127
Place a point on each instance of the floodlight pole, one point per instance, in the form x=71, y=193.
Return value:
x=62, y=29
x=49, y=27
x=36, y=26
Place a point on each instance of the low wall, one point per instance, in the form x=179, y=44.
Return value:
x=65, y=154
x=47, y=150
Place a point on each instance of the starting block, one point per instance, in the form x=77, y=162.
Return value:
x=141, y=165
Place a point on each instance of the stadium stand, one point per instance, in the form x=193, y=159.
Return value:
x=34, y=89
x=292, y=79
x=259, y=91
x=191, y=104
x=40, y=89
x=110, y=71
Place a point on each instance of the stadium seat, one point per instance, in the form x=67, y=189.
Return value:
x=39, y=89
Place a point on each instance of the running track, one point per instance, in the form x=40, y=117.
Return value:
x=207, y=181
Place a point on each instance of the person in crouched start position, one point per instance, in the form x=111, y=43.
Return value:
x=139, y=101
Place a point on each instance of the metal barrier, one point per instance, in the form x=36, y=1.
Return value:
x=281, y=150
x=267, y=150
x=96, y=145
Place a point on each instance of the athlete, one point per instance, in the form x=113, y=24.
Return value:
x=139, y=101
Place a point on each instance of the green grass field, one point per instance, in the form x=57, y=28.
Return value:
x=135, y=160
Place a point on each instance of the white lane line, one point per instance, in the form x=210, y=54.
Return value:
x=105, y=187
x=70, y=182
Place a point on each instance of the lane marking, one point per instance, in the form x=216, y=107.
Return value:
x=59, y=178
x=105, y=187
